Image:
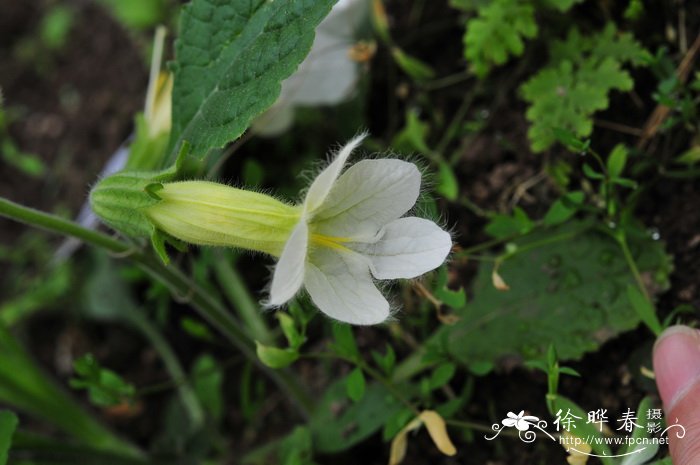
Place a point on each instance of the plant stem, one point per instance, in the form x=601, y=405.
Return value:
x=178, y=284
x=237, y=294
x=622, y=240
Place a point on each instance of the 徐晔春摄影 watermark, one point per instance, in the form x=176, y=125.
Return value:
x=648, y=429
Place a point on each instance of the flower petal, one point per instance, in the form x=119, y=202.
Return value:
x=408, y=247
x=324, y=182
x=340, y=285
x=289, y=272
x=367, y=196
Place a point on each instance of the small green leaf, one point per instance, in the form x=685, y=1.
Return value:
x=8, y=424
x=503, y=226
x=690, y=156
x=591, y=173
x=294, y=337
x=345, y=344
x=645, y=310
x=617, y=161
x=414, y=67
x=497, y=32
x=412, y=136
x=275, y=357
x=196, y=329
x=387, y=361
x=105, y=387
x=569, y=139
x=355, y=385
x=208, y=378
x=442, y=375
x=447, y=184
x=564, y=208
x=569, y=371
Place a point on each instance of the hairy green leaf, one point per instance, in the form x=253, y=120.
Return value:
x=568, y=287
x=230, y=59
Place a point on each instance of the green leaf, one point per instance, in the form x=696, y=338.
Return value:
x=442, y=375
x=55, y=27
x=617, y=161
x=105, y=387
x=8, y=424
x=591, y=173
x=294, y=337
x=564, y=208
x=497, y=32
x=297, y=448
x=567, y=288
x=355, y=384
x=502, y=226
x=576, y=83
x=447, y=184
x=207, y=381
x=138, y=14
x=387, y=361
x=561, y=5
x=645, y=310
x=412, y=137
x=338, y=424
x=414, y=67
x=690, y=156
x=230, y=60
x=569, y=139
x=345, y=344
x=275, y=357
x=453, y=299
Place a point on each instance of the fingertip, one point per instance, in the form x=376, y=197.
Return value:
x=676, y=363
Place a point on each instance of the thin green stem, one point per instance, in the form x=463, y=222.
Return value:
x=633, y=267
x=189, y=399
x=178, y=284
x=237, y=294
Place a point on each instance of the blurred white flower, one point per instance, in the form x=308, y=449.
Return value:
x=327, y=76
x=351, y=229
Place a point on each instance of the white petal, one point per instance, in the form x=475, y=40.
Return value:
x=276, y=120
x=289, y=272
x=370, y=194
x=327, y=76
x=340, y=285
x=408, y=247
x=324, y=182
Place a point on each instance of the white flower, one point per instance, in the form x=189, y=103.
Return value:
x=351, y=229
